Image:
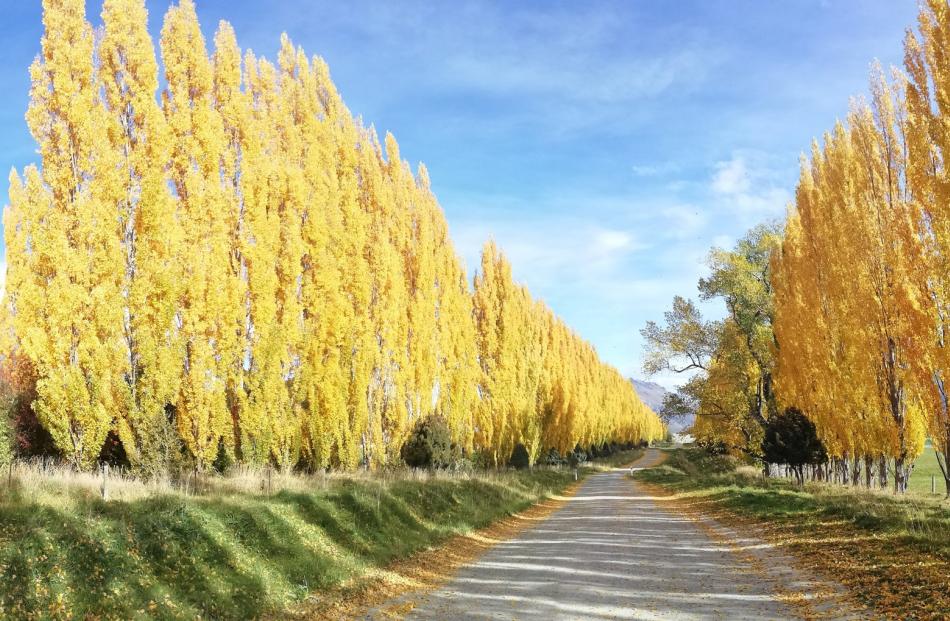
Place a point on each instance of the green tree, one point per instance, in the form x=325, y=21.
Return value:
x=741, y=278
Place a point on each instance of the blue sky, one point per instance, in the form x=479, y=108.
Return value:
x=606, y=145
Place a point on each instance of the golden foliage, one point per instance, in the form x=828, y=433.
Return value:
x=244, y=264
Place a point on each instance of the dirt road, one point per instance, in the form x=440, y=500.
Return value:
x=614, y=552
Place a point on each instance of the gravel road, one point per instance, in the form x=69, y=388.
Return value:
x=613, y=552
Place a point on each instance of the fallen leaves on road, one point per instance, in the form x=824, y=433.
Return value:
x=899, y=581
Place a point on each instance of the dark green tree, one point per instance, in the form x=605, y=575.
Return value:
x=430, y=445
x=791, y=438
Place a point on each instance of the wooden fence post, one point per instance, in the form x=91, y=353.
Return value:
x=104, y=468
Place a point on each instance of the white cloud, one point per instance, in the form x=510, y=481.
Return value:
x=550, y=252
x=731, y=177
x=747, y=187
x=563, y=68
x=609, y=241
x=531, y=70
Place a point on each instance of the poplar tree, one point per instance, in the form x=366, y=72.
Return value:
x=66, y=266
x=928, y=147
x=850, y=297
x=150, y=239
x=206, y=312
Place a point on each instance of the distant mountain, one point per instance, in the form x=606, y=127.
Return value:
x=652, y=394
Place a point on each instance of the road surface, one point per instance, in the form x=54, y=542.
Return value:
x=613, y=552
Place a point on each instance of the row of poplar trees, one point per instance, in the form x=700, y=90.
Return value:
x=862, y=277
x=238, y=264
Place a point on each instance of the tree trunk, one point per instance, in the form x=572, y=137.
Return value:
x=901, y=473
x=882, y=472
x=868, y=471
x=942, y=454
x=941, y=442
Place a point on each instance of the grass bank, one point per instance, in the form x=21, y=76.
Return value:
x=893, y=552
x=66, y=553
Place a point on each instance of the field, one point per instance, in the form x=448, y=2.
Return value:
x=248, y=546
x=893, y=552
x=924, y=468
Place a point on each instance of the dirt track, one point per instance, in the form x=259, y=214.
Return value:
x=614, y=552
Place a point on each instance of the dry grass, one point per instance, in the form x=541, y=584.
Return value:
x=50, y=483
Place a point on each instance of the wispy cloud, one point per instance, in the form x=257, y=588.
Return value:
x=655, y=170
x=564, y=67
x=552, y=252
x=731, y=177
x=747, y=184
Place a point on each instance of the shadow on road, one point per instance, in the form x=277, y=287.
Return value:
x=611, y=552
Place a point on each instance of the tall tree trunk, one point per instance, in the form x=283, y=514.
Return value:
x=899, y=484
x=942, y=461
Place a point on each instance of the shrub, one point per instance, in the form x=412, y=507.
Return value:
x=113, y=452
x=576, y=457
x=520, y=458
x=713, y=447
x=552, y=458
x=482, y=460
x=224, y=460
x=11, y=404
x=7, y=440
x=462, y=465
x=791, y=438
x=430, y=445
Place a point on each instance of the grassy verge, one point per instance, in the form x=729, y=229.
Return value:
x=233, y=555
x=893, y=552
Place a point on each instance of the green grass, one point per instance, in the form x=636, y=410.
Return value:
x=236, y=555
x=925, y=467
x=917, y=520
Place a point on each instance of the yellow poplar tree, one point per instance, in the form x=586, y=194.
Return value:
x=67, y=311
x=850, y=299
x=232, y=300
x=149, y=240
x=456, y=353
x=205, y=204
x=929, y=146
x=246, y=260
